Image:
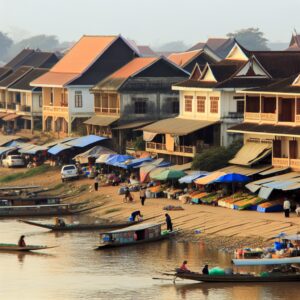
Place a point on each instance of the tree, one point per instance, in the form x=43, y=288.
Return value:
x=215, y=158
x=5, y=44
x=250, y=38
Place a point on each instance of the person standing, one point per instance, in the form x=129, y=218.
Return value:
x=142, y=195
x=169, y=222
x=286, y=207
x=96, y=182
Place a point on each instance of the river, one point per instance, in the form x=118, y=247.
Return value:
x=75, y=271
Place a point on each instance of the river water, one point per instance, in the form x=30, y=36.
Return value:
x=75, y=271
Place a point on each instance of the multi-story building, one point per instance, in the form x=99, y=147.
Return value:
x=67, y=100
x=136, y=94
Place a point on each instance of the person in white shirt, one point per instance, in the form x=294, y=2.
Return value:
x=286, y=207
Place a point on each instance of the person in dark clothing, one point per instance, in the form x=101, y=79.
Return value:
x=169, y=222
x=21, y=242
x=96, y=182
x=136, y=214
x=142, y=195
x=205, y=270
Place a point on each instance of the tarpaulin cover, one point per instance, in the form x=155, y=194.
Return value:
x=95, y=152
x=118, y=158
x=232, y=177
x=85, y=140
x=169, y=175
x=3, y=150
x=191, y=177
x=58, y=148
x=32, y=150
x=133, y=163
x=103, y=158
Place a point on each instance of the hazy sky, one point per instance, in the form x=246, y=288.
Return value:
x=149, y=21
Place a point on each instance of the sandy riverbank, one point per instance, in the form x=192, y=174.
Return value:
x=219, y=227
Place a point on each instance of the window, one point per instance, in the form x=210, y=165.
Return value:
x=175, y=107
x=78, y=99
x=240, y=104
x=298, y=107
x=40, y=100
x=140, y=105
x=201, y=104
x=51, y=97
x=188, y=103
x=214, y=105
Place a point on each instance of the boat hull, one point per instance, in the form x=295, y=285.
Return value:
x=116, y=245
x=79, y=227
x=239, y=278
x=14, y=247
x=266, y=261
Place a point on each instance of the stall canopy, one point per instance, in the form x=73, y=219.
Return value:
x=147, y=167
x=103, y=158
x=85, y=141
x=129, y=164
x=248, y=171
x=101, y=120
x=169, y=175
x=209, y=178
x=95, y=152
x=193, y=176
x=118, y=158
x=4, y=150
x=251, y=153
x=6, y=140
x=232, y=177
x=58, y=148
x=33, y=149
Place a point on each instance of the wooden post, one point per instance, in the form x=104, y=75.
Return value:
x=277, y=109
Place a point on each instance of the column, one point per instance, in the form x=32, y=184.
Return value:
x=277, y=108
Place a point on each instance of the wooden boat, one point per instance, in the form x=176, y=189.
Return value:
x=42, y=210
x=133, y=235
x=78, y=227
x=15, y=247
x=267, y=261
x=271, y=277
x=22, y=201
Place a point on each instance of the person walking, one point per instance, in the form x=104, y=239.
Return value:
x=286, y=207
x=169, y=222
x=96, y=182
x=143, y=195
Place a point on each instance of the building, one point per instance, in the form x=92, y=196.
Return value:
x=16, y=111
x=221, y=46
x=187, y=60
x=294, y=43
x=67, y=100
x=272, y=122
x=211, y=99
x=136, y=94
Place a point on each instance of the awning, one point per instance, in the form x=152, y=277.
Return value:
x=248, y=171
x=177, y=126
x=95, y=152
x=26, y=118
x=265, y=192
x=4, y=150
x=191, y=177
x=209, y=178
x=273, y=171
x=101, y=120
x=103, y=158
x=10, y=117
x=250, y=153
x=148, y=136
x=85, y=141
x=60, y=141
x=32, y=150
x=58, y=148
x=7, y=139
x=133, y=125
x=2, y=114
x=133, y=163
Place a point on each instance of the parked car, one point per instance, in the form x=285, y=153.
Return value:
x=13, y=161
x=69, y=172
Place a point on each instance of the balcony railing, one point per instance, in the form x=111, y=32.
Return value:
x=107, y=110
x=268, y=117
x=54, y=109
x=280, y=162
x=160, y=147
x=11, y=106
x=235, y=115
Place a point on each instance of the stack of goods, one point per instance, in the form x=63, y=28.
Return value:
x=210, y=198
x=270, y=206
x=249, y=202
x=196, y=198
x=229, y=201
x=172, y=207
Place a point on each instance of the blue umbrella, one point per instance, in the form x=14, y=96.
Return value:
x=232, y=177
x=118, y=158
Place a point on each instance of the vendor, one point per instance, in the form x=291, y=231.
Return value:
x=136, y=214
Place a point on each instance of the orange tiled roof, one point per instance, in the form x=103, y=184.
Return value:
x=76, y=61
x=133, y=66
x=182, y=58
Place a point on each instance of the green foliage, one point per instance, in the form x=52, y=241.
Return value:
x=250, y=38
x=29, y=173
x=215, y=158
x=139, y=144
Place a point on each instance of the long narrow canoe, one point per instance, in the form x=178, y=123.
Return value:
x=267, y=261
x=78, y=227
x=15, y=247
x=272, y=277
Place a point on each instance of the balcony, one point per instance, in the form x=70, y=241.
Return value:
x=268, y=117
x=188, y=151
x=257, y=116
x=11, y=106
x=280, y=162
x=107, y=110
x=2, y=105
x=25, y=108
x=252, y=116
x=55, y=109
